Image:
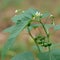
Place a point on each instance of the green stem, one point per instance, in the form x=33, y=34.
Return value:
x=44, y=28
x=49, y=53
x=33, y=39
x=49, y=49
x=47, y=34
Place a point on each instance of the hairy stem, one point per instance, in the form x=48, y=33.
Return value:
x=33, y=39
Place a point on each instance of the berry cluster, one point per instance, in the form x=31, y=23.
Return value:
x=40, y=39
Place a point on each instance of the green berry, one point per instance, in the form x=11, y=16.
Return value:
x=40, y=42
x=45, y=44
x=43, y=38
x=29, y=24
x=49, y=44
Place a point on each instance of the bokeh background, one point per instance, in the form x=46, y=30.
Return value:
x=7, y=11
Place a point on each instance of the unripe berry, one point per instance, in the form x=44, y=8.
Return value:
x=45, y=44
x=29, y=24
x=40, y=42
x=49, y=44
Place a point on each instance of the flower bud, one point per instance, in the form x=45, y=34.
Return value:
x=37, y=13
x=16, y=11
x=51, y=16
x=45, y=44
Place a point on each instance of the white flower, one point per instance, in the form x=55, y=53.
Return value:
x=16, y=11
x=51, y=15
x=37, y=13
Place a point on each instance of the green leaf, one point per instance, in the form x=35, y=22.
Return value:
x=56, y=53
x=46, y=14
x=57, y=27
x=13, y=35
x=45, y=56
x=55, y=45
x=48, y=26
x=17, y=30
x=24, y=56
x=6, y=47
x=9, y=29
x=34, y=26
x=28, y=13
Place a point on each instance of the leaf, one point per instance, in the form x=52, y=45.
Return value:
x=7, y=47
x=24, y=56
x=46, y=14
x=56, y=53
x=13, y=36
x=57, y=27
x=9, y=29
x=45, y=56
x=15, y=31
x=48, y=26
x=28, y=13
x=54, y=46
x=34, y=26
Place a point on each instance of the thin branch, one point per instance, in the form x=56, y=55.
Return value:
x=33, y=39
